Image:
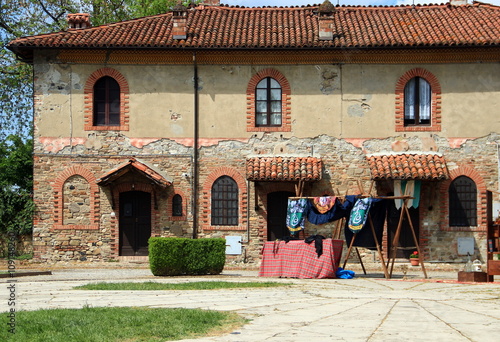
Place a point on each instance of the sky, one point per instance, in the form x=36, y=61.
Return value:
x=256, y=3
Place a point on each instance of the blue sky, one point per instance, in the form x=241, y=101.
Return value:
x=255, y=3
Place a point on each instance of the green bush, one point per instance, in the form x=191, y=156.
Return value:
x=181, y=256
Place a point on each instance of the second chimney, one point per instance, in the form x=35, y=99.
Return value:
x=78, y=20
x=179, y=29
x=325, y=13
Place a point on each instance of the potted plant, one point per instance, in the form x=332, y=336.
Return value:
x=415, y=258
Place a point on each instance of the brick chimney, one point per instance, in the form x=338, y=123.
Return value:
x=325, y=14
x=179, y=29
x=211, y=2
x=78, y=20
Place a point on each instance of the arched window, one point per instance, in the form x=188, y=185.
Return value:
x=417, y=99
x=268, y=103
x=224, y=202
x=463, y=202
x=106, y=102
x=177, y=205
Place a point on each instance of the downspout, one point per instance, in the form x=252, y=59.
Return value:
x=195, y=149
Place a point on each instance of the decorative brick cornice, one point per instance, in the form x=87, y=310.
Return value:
x=58, y=187
x=482, y=219
x=206, y=199
x=435, y=125
x=89, y=100
x=286, y=119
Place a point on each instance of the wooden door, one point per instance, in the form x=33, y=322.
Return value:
x=277, y=203
x=135, y=222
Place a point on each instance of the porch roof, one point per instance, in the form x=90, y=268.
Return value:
x=275, y=168
x=147, y=171
x=407, y=165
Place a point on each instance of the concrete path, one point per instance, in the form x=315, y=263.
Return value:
x=366, y=308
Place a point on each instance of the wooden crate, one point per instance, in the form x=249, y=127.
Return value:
x=479, y=277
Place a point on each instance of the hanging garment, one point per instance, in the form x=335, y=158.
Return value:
x=416, y=193
x=365, y=237
x=324, y=204
x=296, y=214
x=408, y=191
x=398, y=192
x=318, y=243
x=407, y=188
x=359, y=214
x=335, y=213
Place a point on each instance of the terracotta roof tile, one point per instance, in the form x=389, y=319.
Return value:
x=133, y=163
x=223, y=27
x=408, y=166
x=284, y=168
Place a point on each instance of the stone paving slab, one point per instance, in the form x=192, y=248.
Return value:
x=366, y=308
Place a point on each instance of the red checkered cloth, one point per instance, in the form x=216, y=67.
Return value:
x=297, y=259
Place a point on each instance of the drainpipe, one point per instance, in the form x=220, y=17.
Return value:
x=195, y=149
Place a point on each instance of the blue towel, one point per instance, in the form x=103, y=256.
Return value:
x=344, y=274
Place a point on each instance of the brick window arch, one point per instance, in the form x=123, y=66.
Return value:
x=65, y=187
x=410, y=82
x=253, y=125
x=177, y=204
x=121, y=124
x=481, y=199
x=240, y=181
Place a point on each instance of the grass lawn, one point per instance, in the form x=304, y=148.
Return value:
x=91, y=324
x=197, y=285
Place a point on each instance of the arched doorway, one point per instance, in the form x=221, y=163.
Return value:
x=277, y=203
x=135, y=223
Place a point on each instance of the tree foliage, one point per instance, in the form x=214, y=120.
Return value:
x=16, y=183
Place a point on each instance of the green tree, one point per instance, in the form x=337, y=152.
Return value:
x=16, y=183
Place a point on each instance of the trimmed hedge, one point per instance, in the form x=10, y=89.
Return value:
x=181, y=256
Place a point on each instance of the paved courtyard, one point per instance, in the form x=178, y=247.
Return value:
x=366, y=308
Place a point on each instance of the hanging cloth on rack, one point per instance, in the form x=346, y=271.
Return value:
x=296, y=214
x=359, y=214
x=333, y=214
x=324, y=204
x=407, y=188
x=365, y=237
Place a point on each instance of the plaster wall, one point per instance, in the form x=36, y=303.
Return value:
x=343, y=101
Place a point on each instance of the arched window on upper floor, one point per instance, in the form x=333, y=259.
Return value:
x=418, y=102
x=268, y=102
x=106, y=102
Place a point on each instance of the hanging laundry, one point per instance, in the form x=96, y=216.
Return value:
x=296, y=214
x=365, y=238
x=398, y=192
x=359, y=214
x=407, y=188
x=318, y=243
x=416, y=193
x=324, y=203
x=335, y=213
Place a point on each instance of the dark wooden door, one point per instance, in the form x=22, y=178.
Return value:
x=135, y=222
x=406, y=241
x=277, y=203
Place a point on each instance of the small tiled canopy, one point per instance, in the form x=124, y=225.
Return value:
x=284, y=168
x=133, y=164
x=431, y=166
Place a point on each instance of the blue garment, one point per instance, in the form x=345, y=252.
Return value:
x=344, y=274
